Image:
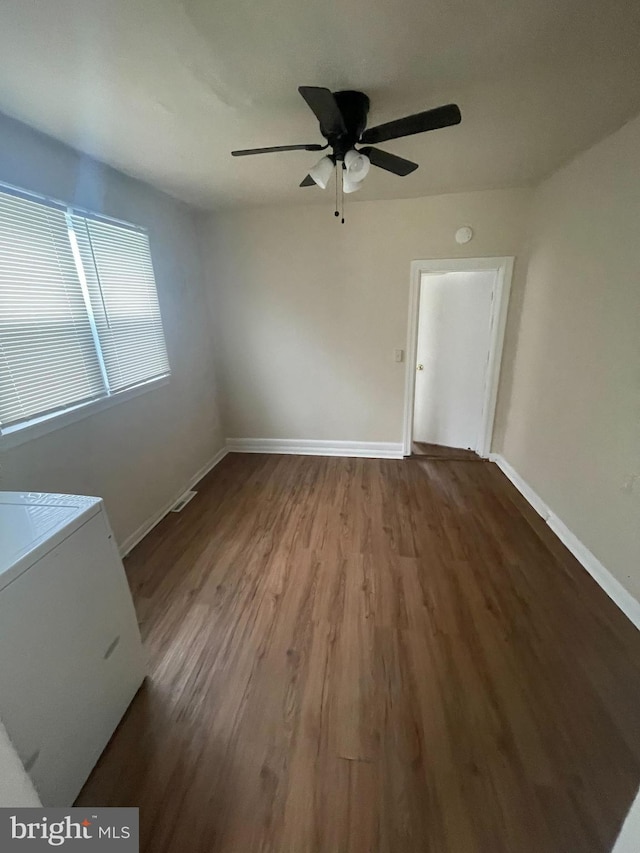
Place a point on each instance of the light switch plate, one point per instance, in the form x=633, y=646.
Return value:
x=398, y=354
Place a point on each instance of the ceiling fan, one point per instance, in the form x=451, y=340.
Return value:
x=343, y=123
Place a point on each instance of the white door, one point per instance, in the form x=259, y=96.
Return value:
x=453, y=349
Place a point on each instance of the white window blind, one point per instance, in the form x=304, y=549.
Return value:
x=48, y=359
x=122, y=287
x=79, y=313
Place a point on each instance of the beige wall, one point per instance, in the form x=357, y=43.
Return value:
x=573, y=427
x=139, y=454
x=307, y=312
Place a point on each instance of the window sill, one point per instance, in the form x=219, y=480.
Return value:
x=13, y=436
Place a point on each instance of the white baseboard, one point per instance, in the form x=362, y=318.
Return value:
x=305, y=447
x=522, y=486
x=614, y=589
x=131, y=541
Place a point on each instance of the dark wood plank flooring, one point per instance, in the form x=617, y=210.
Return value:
x=439, y=451
x=372, y=655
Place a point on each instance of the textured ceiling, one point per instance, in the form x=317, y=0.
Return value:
x=164, y=89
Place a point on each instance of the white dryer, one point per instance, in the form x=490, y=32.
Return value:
x=71, y=659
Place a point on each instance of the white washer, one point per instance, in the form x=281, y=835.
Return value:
x=71, y=658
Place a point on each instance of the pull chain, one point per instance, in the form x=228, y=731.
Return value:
x=339, y=207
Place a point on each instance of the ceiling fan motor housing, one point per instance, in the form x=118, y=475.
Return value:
x=354, y=107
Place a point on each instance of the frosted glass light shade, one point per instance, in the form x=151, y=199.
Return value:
x=322, y=171
x=349, y=186
x=357, y=165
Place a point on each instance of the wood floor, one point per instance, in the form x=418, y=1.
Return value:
x=372, y=655
x=439, y=451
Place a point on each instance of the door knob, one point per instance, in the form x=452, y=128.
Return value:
x=420, y=367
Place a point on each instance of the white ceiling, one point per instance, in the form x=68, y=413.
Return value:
x=164, y=89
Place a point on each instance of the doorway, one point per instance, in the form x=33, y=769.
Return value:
x=457, y=315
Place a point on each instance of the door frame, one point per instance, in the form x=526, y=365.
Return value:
x=503, y=268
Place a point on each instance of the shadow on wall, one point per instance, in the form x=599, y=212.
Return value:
x=512, y=330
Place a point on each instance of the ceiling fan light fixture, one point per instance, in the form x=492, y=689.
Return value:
x=322, y=171
x=356, y=165
x=349, y=185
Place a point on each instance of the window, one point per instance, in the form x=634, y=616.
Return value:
x=79, y=314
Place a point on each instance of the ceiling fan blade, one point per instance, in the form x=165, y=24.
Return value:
x=326, y=109
x=277, y=148
x=390, y=162
x=308, y=182
x=418, y=123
